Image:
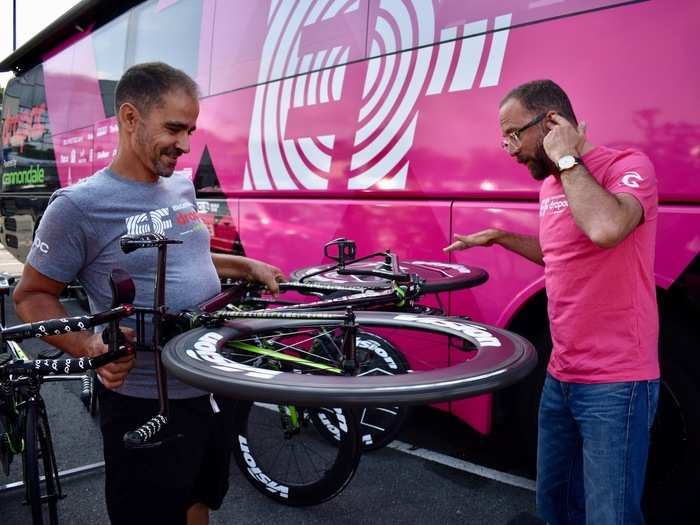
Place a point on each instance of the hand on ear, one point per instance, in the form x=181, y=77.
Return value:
x=563, y=138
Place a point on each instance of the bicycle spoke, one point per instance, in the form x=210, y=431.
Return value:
x=297, y=347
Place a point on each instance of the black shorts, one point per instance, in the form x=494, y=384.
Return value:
x=158, y=485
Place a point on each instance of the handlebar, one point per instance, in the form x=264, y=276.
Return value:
x=393, y=270
x=64, y=325
x=71, y=365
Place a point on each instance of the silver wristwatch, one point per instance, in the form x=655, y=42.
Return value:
x=567, y=162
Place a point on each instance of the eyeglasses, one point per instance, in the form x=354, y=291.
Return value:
x=512, y=141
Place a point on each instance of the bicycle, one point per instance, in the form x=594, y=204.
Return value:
x=263, y=356
x=24, y=425
x=346, y=280
x=297, y=339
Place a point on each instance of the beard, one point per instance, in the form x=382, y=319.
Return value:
x=161, y=168
x=155, y=162
x=539, y=165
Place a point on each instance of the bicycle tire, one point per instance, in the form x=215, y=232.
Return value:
x=499, y=358
x=267, y=455
x=378, y=426
x=437, y=276
x=38, y=459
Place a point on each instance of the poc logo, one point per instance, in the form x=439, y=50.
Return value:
x=40, y=245
x=630, y=179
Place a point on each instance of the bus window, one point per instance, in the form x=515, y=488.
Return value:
x=28, y=156
x=110, y=54
x=169, y=34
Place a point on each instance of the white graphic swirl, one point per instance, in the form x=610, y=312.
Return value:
x=303, y=104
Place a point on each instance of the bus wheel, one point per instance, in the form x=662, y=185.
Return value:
x=515, y=432
x=673, y=472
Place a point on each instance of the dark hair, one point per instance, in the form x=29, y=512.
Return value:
x=144, y=85
x=543, y=95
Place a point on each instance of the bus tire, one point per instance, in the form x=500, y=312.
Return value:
x=673, y=470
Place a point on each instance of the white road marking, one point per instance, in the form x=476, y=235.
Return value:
x=449, y=461
x=62, y=474
x=465, y=466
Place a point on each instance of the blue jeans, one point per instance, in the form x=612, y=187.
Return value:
x=592, y=451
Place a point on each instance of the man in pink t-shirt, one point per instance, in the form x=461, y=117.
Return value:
x=598, y=214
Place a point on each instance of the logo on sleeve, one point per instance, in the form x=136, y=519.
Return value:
x=40, y=245
x=630, y=179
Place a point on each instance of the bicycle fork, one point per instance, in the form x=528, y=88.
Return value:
x=350, y=364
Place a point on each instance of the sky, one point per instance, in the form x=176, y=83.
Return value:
x=32, y=17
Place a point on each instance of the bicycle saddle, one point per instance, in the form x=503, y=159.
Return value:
x=132, y=242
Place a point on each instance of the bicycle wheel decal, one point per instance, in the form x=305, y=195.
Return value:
x=500, y=359
x=283, y=456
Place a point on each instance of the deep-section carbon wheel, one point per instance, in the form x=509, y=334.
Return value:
x=437, y=276
x=379, y=426
x=40, y=472
x=283, y=455
x=268, y=360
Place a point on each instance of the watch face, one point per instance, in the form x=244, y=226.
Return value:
x=566, y=162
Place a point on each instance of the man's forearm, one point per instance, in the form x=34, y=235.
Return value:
x=526, y=245
x=231, y=266
x=40, y=307
x=596, y=211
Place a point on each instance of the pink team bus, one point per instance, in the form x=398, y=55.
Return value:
x=376, y=120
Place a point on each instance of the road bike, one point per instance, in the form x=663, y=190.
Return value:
x=357, y=281
x=282, y=363
x=24, y=424
x=315, y=354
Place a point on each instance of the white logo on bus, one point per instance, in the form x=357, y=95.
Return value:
x=292, y=142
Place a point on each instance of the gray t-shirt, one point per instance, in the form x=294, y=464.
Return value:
x=78, y=237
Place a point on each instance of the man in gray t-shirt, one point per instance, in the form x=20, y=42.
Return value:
x=157, y=108
x=80, y=235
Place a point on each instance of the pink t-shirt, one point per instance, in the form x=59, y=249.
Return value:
x=602, y=302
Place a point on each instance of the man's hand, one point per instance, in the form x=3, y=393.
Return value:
x=266, y=274
x=482, y=238
x=563, y=138
x=114, y=373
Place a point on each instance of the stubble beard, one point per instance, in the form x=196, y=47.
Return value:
x=155, y=164
x=540, y=165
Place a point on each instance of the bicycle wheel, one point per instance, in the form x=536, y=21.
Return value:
x=39, y=461
x=226, y=360
x=10, y=438
x=379, y=426
x=437, y=276
x=282, y=454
